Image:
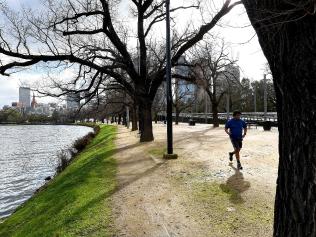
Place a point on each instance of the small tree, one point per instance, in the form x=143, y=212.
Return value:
x=271, y=99
x=247, y=96
x=11, y=116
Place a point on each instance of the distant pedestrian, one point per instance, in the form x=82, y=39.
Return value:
x=234, y=128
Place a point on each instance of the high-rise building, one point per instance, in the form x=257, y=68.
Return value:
x=184, y=89
x=73, y=101
x=232, y=73
x=25, y=97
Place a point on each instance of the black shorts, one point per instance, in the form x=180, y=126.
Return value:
x=237, y=143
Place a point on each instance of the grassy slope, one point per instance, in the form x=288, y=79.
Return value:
x=76, y=202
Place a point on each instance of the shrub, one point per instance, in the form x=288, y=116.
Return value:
x=81, y=143
x=66, y=156
x=96, y=129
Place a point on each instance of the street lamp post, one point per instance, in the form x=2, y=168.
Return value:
x=265, y=97
x=169, y=154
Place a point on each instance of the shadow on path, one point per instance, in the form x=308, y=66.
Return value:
x=235, y=186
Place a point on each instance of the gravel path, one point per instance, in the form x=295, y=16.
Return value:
x=200, y=193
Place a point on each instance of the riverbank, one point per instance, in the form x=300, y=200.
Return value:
x=59, y=124
x=72, y=204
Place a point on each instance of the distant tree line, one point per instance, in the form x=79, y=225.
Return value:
x=244, y=97
x=10, y=115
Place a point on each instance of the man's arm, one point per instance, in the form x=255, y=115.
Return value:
x=245, y=129
x=227, y=127
x=245, y=132
x=226, y=130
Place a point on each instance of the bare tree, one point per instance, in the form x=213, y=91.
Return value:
x=88, y=36
x=211, y=63
x=287, y=34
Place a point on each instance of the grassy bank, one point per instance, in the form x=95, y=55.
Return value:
x=76, y=202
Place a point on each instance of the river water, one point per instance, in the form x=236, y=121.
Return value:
x=28, y=154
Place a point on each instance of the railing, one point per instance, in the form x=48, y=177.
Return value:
x=254, y=118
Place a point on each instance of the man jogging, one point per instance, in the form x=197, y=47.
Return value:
x=234, y=128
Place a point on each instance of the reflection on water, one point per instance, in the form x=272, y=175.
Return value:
x=28, y=154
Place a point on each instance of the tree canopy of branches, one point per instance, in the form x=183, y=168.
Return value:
x=212, y=70
x=87, y=35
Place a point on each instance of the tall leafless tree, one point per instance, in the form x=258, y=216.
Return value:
x=211, y=64
x=88, y=35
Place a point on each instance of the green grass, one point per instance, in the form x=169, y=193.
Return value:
x=226, y=207
x=157, y=152
x=214, y=198
x=76, y=202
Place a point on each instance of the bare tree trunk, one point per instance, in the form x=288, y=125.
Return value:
x=124, y=119
x=145, y=119
x=119, y=119
x=177, y=115
x=215, y=115
x=140, y=120
x=289, y=46
x=295, y=204
x=134, y=118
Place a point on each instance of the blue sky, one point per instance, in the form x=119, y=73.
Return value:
x=251, y=59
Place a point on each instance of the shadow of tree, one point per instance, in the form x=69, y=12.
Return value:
x=235, y=186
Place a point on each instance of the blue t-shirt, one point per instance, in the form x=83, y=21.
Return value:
x=235, y=126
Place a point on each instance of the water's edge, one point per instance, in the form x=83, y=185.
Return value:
x=43, y=185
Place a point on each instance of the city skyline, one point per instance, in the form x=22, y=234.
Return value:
x=21, y=100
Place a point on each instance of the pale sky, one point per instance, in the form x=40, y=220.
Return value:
x=235, y=29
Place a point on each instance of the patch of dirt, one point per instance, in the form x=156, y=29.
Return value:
x=200, y=193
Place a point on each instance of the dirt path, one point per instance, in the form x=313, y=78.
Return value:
x=200, y=194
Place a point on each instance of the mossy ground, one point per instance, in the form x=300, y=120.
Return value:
x=230, y=213
x=157, y=152
x=76, y=202
x=226, y=207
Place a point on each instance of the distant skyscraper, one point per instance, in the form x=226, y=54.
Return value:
x=232, y=73
x=73, y=101
x=184, y=88
x=25, y=97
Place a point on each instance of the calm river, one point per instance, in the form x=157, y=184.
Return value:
x=28, y=154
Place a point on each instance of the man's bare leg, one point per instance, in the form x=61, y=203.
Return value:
x=237, y=153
